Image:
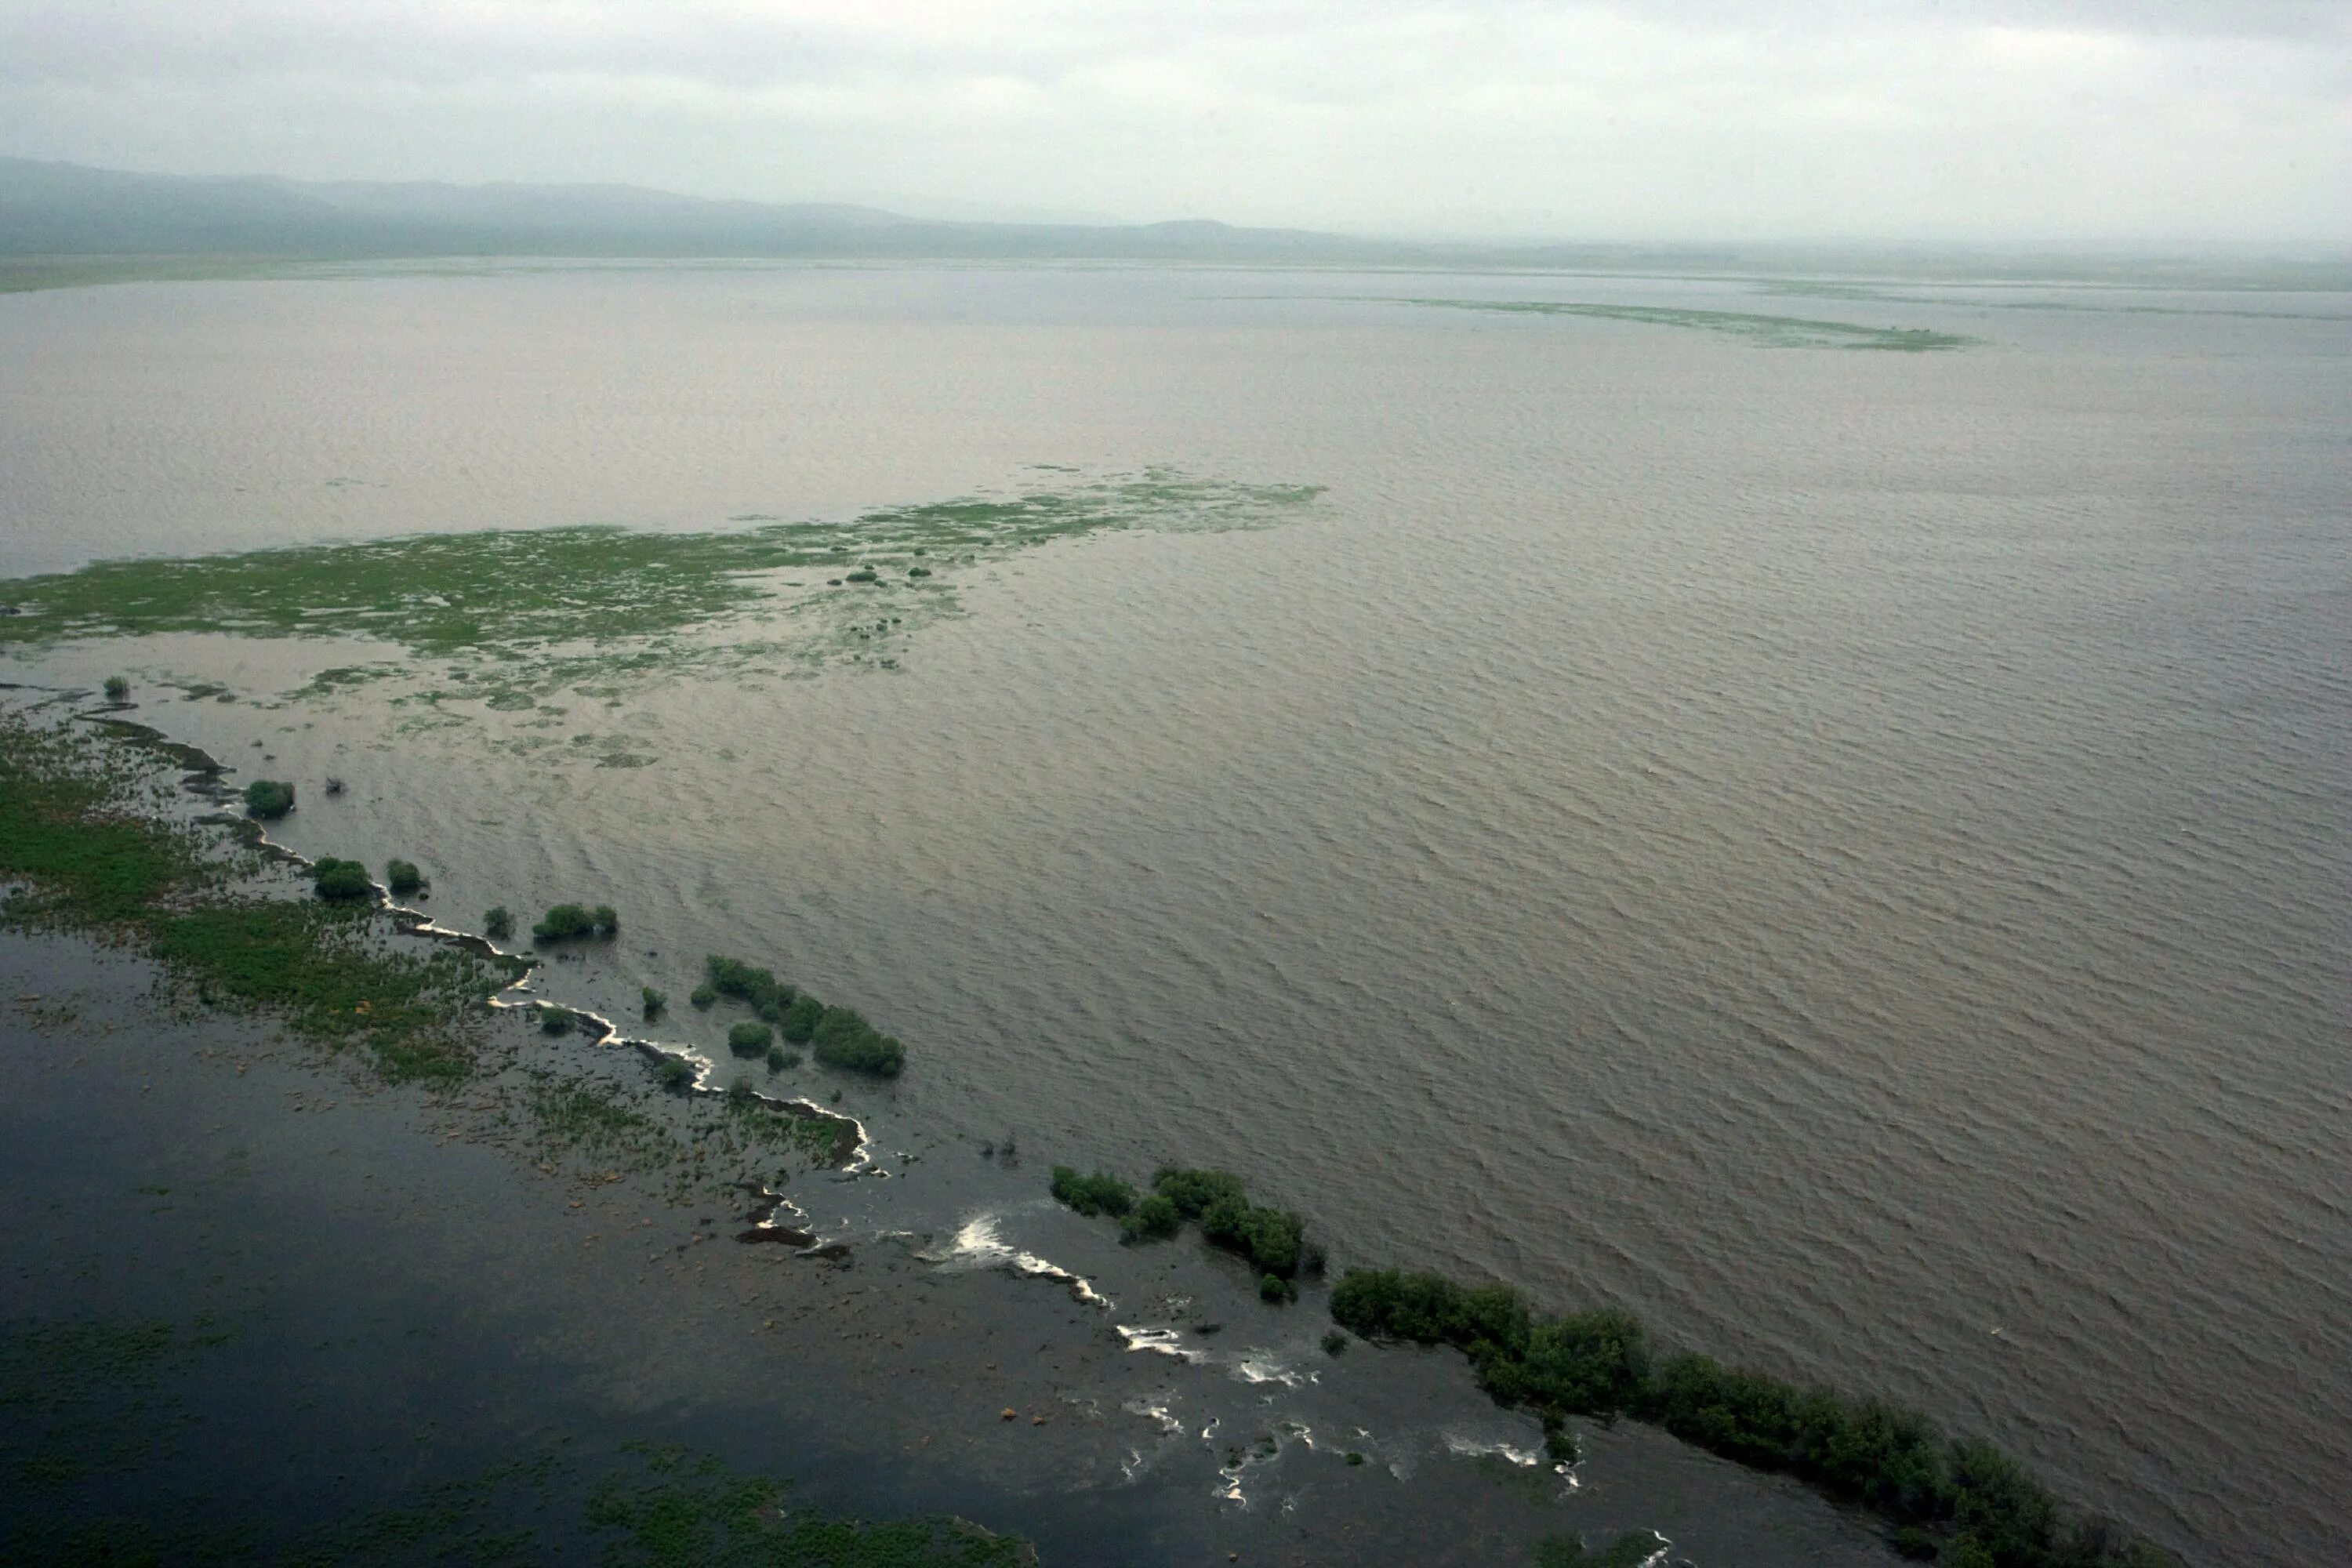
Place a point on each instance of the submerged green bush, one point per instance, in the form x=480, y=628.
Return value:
x=702, y=996
x=1274, y=1240
x=1960, y=1502
x=497, y=923
x=1156, y=1219
x=655, y=1001
x=118, y=688
x=674, y=1072
x=768, y=996
x=607, y=919
x=334, y=878
x=1099, y=1193
x=844, y=1039
x=780, y=1058
x=565, y=920
x=800, y=1019
x=269, y=798
x=403, y=876
x=749, y=1039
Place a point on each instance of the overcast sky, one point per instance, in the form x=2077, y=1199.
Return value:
x=1998, y=120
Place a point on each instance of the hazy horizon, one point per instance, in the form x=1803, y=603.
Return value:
x=2077, y=125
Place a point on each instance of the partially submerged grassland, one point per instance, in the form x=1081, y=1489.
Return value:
x=505, y=614
x=82, y=842
x=88, y=846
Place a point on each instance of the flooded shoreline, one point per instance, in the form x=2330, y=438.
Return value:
x=1224, y=1473
x=1837, y=853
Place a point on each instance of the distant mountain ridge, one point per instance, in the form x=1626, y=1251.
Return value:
x=68, y=209
x=158, y=224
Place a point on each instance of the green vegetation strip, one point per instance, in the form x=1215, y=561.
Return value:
x=1957, y=1502
x=1775, y=332
x=86, y=857
x=518, y=595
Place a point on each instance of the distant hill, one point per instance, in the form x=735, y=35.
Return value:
x=65, y=209
x=159, y=225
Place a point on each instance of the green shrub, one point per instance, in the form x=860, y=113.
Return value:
x=1354, y=1458
x=1561, y=1445
x=335, y=879
x=1193, y=1191
x=1099, y=1193
x=1274, y=1288
x=800, y=1019
x=674, y=1072
x=269, y=798
x=607, y=919
x=780, y=1058
x=741, y=1092
x=497, y=923
x=768, y=996
x=556, y=1020
x=1334, y=1344
x=565, y=920
x=702, y=996
x=863, y=574
x=403, y=876
x=655, y=1001
x=1272, y=1239
x=844, y=1039
x=118, y=688
x=749, y=1039
x=1592, y=1362
x=1155, y=1218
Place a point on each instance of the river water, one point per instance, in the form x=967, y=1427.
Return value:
x=1844, y=852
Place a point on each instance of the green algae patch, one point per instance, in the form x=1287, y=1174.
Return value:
x=86, y=1398
x=704, y=1515
x=522, y=612
x=1771, y=331
x=1628, y=1550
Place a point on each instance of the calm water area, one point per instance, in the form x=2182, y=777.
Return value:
x=1845, y=852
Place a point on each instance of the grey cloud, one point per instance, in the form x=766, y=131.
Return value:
x=1997, y=118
